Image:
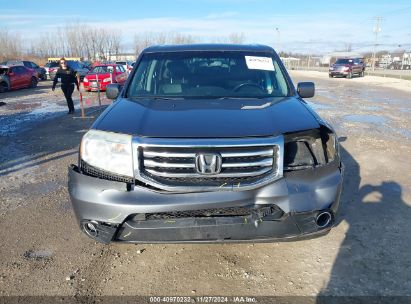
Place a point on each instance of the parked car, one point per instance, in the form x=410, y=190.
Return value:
x=347, y=67
x=207, y=143
x=87, y=64
x=395, y=65
x=128, y=65
x=54, y=65
x=102, y=75
x=79, y=67
x=41, y=72
x=17, y=77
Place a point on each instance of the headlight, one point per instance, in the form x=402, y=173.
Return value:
x=309, y=149
x=85, y=79
x=108, y=151
x=107, y=79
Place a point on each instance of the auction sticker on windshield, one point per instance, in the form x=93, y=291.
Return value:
x=259, y=63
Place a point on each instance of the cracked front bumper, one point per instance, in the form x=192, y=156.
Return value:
x=114, y=209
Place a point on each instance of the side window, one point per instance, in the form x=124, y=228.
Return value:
x=18, y=70
x=12, y=70
x=27, y=64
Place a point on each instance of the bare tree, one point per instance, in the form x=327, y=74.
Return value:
x=10, y=44
x=237, y=38
x=113, y=43
x=146, y=39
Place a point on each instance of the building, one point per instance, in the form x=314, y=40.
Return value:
x=124, y=56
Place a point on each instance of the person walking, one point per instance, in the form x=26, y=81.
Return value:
x=68, y=78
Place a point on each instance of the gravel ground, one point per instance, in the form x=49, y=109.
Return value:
x=367, y=253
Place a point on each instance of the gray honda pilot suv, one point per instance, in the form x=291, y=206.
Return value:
x=207, y=143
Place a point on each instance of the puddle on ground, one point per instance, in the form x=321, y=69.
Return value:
x=32, y=113
x=404, y=132
x=25, y=106
x=366, y=118
x=38, y=254
x=372, y=108
x=379, y=96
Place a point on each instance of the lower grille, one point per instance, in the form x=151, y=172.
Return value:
x=216, y=212
x=200, y=213
x=228, y=164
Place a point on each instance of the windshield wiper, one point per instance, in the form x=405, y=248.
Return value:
x=157, y=97
x=243, y=97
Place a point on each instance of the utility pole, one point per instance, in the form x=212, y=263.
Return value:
x=377, y=29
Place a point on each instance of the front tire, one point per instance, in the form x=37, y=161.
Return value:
x=4, y=87
x=330, y=76
x=33, y=82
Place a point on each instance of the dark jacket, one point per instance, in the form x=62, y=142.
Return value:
x=67, y=76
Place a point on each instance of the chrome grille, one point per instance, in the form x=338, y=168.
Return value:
x=245, y=163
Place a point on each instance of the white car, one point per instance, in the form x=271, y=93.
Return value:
x=126, y=64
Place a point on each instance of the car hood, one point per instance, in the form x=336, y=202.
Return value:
x=207, y=118
x=100, y=76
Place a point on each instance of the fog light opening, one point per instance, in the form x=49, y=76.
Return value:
x=91, y=228
x=323, y=219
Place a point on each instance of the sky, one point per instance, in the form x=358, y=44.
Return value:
x=311, y=27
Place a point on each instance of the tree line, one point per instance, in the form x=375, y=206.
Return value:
x=92, y=42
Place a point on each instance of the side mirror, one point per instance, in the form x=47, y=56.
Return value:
x=112, y=91
x=306, y=89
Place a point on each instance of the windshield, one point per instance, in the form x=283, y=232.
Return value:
x=101, y=69
x=51, y=64
x=344, y=61
x=208, y=75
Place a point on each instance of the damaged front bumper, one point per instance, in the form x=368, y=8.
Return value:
x=290, y=207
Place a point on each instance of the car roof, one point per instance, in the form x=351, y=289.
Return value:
x=14, y=62
x=209, y=47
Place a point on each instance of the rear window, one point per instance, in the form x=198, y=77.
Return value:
x=51, y=65
x=101, y=69
x=120, y=69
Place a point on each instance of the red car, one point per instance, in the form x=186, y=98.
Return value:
x=347, y=67
x=104, y=74
x=17, y=77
